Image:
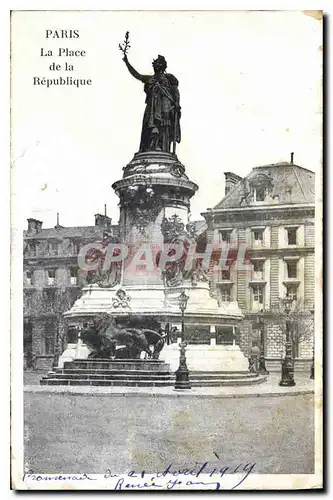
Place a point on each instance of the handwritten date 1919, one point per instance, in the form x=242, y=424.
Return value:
x=207, y=474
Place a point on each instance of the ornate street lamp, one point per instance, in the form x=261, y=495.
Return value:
x=182, y=301
x=313, y=351
x=262, y=364
x=182, y=374
x=287, y=368
x=312, y=365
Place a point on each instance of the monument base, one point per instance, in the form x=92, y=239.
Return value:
x=205, y=358
x=111, y=372
x=142, y=373
x=72, y=352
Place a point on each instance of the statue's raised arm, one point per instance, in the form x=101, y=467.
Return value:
x=134, y=72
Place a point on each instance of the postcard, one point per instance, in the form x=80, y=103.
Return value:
x=166, y=273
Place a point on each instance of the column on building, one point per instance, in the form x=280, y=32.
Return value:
x=273, y=338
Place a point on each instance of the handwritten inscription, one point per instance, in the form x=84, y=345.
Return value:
x=56, y=477
x=200, y=476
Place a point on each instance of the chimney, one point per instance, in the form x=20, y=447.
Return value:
x=231, y=180
x=292, y=158
x=34, y=226
x=57, y=226
x=102, y=220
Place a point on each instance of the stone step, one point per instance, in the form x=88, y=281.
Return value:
x=96, y=371
x=114, y=376
x=146, y=376
x=118, y=361
x=120, y=383
x=102, y=364
x=143, y=373
x=149, y=383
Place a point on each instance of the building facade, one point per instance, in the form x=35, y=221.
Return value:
x=52, y=281
x=267, y=220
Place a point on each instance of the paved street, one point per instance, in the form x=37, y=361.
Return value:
x=83, y=433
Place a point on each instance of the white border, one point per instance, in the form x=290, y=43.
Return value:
x=93, y=5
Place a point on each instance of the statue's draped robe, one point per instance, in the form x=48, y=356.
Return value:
x=160, y=120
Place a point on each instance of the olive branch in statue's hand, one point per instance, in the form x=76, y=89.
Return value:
x=124, y=47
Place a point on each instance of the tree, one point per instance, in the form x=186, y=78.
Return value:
x=49, y=304
x=301, y=320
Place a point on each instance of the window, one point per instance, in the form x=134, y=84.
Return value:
x=292, y=292
x=73, y=272
x=292, y=235
x=53, y=248
x=258, y=270
x=28, y=277
x=260, y=193
x=257, y=298
x=292, y=269
x=225, y=294
x=50, y=274
x=75, y=246
x=32, y=248
x=258, y=294
x=225, y=235
x=257, y=237
x=225, y=273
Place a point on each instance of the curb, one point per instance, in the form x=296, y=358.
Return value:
x=175, y=394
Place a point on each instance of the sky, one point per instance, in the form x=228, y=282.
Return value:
x=250, y=91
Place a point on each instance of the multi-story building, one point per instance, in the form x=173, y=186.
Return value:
x=267, y=218
x=52, y=281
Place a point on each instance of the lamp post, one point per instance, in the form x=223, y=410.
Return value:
x=262, y=364
x=182, y=300
x=312, y=365
x=287, y=367
x=182, y=374
x=313, y=351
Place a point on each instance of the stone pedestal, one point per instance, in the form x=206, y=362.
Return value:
x=154, y=187
x=156, y=301
x=204, y=358
x=73, y=351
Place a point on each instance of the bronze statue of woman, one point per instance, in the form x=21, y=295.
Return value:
x=160, y=126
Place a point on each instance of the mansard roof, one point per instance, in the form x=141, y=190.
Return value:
x=283, y=183
x=79, y=232
x=88, y=232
